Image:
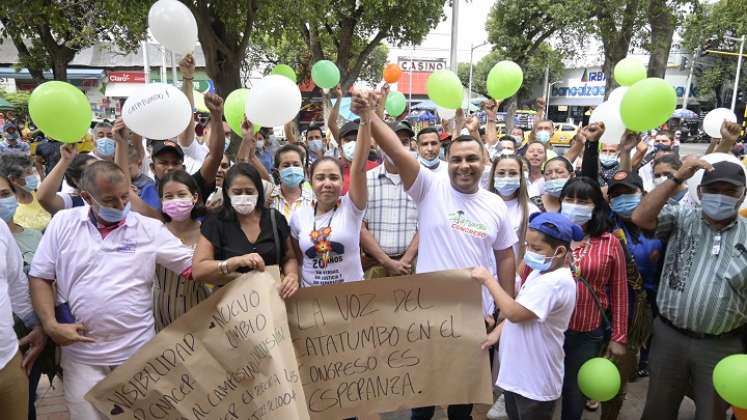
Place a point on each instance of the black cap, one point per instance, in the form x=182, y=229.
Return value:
x=159, y=147
x=725, y=171
x=626, y=178
x=397, y=126
x=348, y=128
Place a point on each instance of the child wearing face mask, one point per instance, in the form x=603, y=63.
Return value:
x=531, y=336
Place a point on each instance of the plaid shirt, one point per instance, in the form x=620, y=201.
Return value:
x=392, y=215
x=703, y=287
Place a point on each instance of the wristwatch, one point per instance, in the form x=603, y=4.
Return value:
x=676, y=180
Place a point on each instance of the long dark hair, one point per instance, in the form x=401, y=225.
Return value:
x=241, y=169
x=186, y=179
x=521, y=195
x=585, y=188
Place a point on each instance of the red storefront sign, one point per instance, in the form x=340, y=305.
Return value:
x=126, y=76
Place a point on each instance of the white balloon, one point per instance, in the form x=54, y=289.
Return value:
x=273, y=101
x=694, y=181
x=445, y=113
x=713, y=120
x=173, y=25
x=617, y=94
x=157, y=111
x=609, y=113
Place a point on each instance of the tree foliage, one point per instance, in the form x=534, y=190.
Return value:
x=49, y=33
x=348, y=32
x=706, y=29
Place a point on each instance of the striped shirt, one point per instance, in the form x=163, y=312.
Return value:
x=601, y=260
x=392, y=215
x=282, y=205
x=703, y=287
x=173, y=296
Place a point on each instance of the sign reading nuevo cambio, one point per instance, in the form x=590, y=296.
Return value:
x=230, y=357
x=388, y=344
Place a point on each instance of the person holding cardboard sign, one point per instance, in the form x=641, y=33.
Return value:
x=326, y=236
x=532, y=335
x=461, y=225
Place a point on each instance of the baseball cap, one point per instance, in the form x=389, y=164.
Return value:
x=402, y=126
x=348, y=128
x=725, y=172
x=166, y=146
x=556, y=225
x=627, y=179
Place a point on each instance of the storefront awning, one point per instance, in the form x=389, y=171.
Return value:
x=72, y=74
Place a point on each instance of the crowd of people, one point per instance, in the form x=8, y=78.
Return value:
x=597, y=250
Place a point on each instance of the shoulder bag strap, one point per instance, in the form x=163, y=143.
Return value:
x=275, y=235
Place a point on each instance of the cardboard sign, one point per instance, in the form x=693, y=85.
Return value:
x=230, y=357
x=389, y=344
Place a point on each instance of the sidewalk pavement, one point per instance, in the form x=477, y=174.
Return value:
x=50, y=405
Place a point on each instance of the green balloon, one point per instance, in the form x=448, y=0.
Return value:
x=395, y=104
x=599, y=379
x=648, y=104
x=233, y=109
x=628, y=71
x=61, y=111
x=730, y=379
x=325, y=74
x=445, y=89
x=504, y=80
x=284, y=70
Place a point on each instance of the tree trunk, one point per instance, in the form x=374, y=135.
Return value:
x=662, y=23
x=618, y=49
x=223, y=69
x=513, y=103
x=59, y=68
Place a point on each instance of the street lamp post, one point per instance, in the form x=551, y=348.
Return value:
x=690, y=78
x=469, y=89
x=454, y=33
x=547, y=97
x=739, y=69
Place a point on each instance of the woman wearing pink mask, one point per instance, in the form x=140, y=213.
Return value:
x=181, y=209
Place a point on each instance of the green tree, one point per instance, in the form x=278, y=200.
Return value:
x=49, y=33
x=706, y=29
x=616, y=23
x=534, y=34
x=348, y=32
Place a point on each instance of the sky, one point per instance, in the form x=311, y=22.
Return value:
x=472, y=17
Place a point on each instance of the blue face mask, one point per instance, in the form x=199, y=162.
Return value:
x=8, y=206
x=578, y=213
x=291, y=176
x=625, y=204
x=718, y=206
x=112, y=215
x=32, y=183
x=537, y=262
x=543, y=136
x=430, y=164
x=316, y=146
x=12, y=136
x=105, y=146
x=506, y=185
x=555, y=186
x=608, y=160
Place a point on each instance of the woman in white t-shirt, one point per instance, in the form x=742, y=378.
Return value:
x=507, y=181
x=326, y=236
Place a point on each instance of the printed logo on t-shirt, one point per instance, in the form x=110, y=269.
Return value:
x=126, y=248
x=461, y=223
x=324, y=273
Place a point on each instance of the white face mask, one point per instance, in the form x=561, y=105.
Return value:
x=660, y=180
x=244, y=204
x=260, y=144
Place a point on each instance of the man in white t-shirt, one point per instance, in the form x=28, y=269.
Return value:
x=429, y=150
x=101, y=258
x=460, y=224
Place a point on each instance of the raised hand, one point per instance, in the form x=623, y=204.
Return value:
x=187, y=66
x=730, y=130
x=691, y=166
x=593, y=132
x=629, y=141
x=119, y=130
x=214, y=104
x=68, y=152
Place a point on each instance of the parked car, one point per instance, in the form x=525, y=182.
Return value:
x=564, y=132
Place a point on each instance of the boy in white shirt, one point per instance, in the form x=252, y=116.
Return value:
x=531, y=350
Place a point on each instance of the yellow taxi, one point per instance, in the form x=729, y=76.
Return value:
x=563, y=134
